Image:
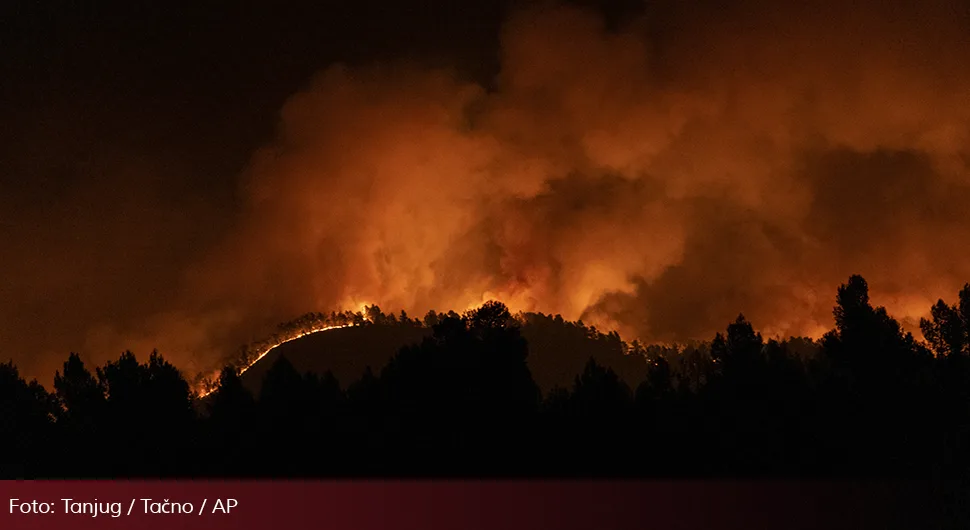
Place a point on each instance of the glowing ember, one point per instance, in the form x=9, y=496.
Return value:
x=203, y=392
x=309, y=324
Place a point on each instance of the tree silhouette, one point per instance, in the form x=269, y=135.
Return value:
x=740, y=352
x=81, y=396
x=282, y=389
x=82, y=414
x=26, y=414
x=948, y=330
x=122, y=382
x=232, y=411
x=468, y=383
x=865, y=400
x=148, y=413
x=232, y=403
x=168, y=399
x=598, y=393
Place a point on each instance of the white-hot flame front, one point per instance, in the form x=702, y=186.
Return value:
x=205, y=391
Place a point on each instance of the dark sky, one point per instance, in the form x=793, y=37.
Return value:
x=200, y=83
x=196, y=83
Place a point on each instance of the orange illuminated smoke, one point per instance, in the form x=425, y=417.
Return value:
x=653, y=183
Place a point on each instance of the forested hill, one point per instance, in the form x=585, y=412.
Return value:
x=558, y=349
x=867, y=400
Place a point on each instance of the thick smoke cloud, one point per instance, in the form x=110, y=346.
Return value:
x=656, y=178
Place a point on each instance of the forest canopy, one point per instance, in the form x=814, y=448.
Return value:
x=867, y=399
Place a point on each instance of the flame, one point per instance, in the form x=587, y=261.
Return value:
x=203, y=392
x=210, y=384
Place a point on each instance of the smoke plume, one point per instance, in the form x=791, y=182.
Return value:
x=657, y=178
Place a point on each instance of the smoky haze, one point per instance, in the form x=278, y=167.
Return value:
x=655, y=176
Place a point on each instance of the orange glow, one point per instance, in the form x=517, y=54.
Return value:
x=653, y=184
x=203, y=392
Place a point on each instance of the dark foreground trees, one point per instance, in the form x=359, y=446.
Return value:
x=866, y=400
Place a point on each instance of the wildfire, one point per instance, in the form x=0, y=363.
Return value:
x=210, y=384
x=208, y=389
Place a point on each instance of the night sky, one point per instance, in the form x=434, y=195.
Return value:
x=185, y=177
x=118, y=114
